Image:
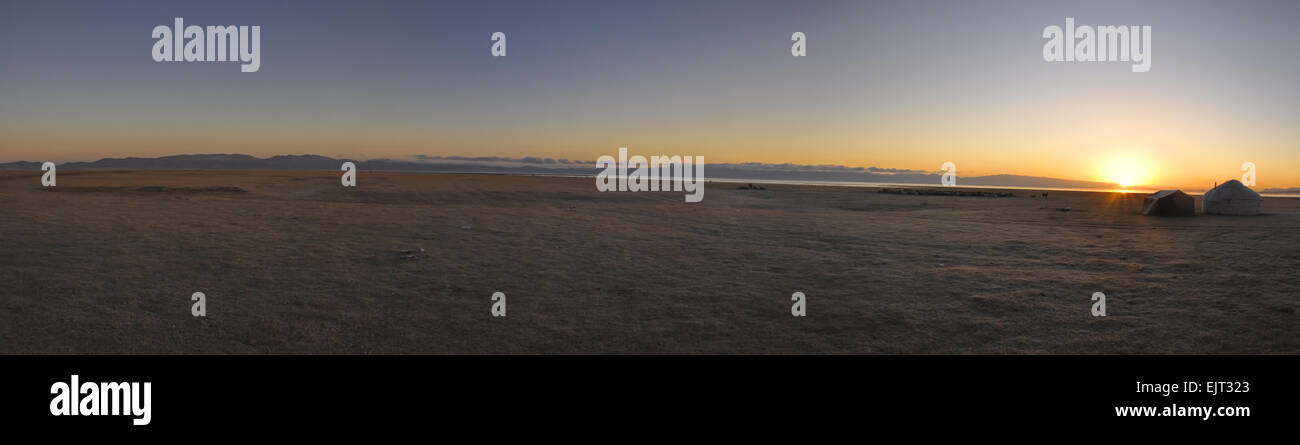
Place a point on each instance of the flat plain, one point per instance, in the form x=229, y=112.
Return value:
x=292, y=262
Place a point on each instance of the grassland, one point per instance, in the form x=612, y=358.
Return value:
x=291, y=262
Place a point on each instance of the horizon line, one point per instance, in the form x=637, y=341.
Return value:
x=559, y=164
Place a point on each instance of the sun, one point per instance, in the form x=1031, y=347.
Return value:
x=1126, y=170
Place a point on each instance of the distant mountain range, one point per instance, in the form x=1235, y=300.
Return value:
x=1286, y=191
x=752, y=171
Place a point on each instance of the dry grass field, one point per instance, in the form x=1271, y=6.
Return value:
x=291, y=262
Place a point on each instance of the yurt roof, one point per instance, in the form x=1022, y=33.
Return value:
x=1231, y=190
x=1164, y=193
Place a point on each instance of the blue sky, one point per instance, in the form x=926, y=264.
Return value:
x=894, y=84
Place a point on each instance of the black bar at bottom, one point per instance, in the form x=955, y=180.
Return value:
x=326, y=394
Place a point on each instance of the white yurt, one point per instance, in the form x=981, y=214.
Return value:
x=1232, y=198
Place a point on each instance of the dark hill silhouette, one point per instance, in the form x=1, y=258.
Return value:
x=715, y=171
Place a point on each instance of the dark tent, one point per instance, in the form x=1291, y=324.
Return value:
x=1169, y=203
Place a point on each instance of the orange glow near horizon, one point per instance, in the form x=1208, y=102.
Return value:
x=1127, y=170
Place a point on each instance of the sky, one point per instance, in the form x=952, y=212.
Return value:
x=889, y=84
